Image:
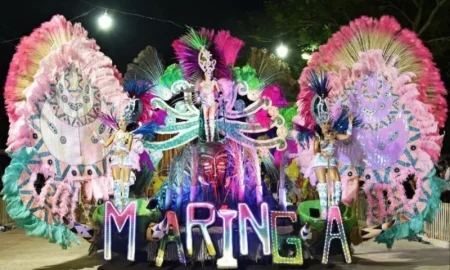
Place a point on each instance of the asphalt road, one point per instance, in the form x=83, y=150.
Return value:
x=21, y=252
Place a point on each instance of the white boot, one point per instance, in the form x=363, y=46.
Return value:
x=323, y=197
x=207, y=135
x=126, y=195
x=117, y=194
x=212, y=128
x=337, y=192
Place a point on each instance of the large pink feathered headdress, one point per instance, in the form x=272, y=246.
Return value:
x=223, y=48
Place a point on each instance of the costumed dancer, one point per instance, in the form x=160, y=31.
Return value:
x=388, y=77
x=325, y=162
x=121, y=163
x=126, y=150
x=209, y=89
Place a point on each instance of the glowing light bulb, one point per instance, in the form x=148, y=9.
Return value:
x=105, y=21
x=282, y=51
x=306, y=56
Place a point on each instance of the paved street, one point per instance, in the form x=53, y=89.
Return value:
x=20, y=252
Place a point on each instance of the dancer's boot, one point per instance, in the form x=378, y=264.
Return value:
x=126, y=195
x=337, y=192
x=117, y=194
x=323, y=197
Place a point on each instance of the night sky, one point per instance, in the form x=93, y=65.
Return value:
x=129, y=35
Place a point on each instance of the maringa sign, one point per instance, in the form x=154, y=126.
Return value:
x=265, y=230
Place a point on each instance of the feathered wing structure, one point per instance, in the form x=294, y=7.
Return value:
x=401, y=48
x=228, y=47
x=58, y=83
x=144, y=80
x=183, y=115
x=147, y=66
x=30, y=51
x=385, y=76
x=270, y=68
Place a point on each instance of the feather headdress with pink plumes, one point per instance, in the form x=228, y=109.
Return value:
x=58, y=79
x=223, y=47
x=30, y=51
x=399, y=46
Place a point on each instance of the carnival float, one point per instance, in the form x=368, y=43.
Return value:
x=250, y=175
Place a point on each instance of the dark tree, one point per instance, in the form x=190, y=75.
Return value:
x=304, y=25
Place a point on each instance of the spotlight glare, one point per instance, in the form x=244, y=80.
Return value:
x=282, y=51
x=105, y=21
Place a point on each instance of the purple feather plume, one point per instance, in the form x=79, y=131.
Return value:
x=144, y=160
x=224, y=50
x=291, y=149
x=108, y=120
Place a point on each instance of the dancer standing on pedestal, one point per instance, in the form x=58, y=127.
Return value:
x=325, y=161
x=327, y=132
x=126, y=150
x=121, y=163
x=208, y=91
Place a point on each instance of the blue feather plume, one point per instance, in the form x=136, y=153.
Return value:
x=304, y=135
x=147, y=130
x=319, y=84
x=340, y=125
x=137, y=88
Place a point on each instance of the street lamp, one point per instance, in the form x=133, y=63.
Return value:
x=282, y=50
x=105, y=21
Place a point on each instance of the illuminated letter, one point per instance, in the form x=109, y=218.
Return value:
x=172, y=236
x=227, y=261
x=120, y=219
x=334, y=214
x=261, y=230
x=202, y=223
x=296, y=241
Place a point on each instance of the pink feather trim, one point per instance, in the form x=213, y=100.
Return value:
x=263, y=118
x=228, y=46
x=275, y=94
x=305, y=98
x=54, y=32
x=431, y=88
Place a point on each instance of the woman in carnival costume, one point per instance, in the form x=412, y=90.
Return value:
x=327, y=132
x=388, y=78
x=121, y=163
x=126, y=149
x=208, y=89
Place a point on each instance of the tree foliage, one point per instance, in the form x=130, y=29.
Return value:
x=304, y=25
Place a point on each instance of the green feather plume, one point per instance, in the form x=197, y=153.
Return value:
x=409, y=230
x=172, y=74
x=248, y=74
x=194, y=39
x=33, y=226
x=288, y=114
